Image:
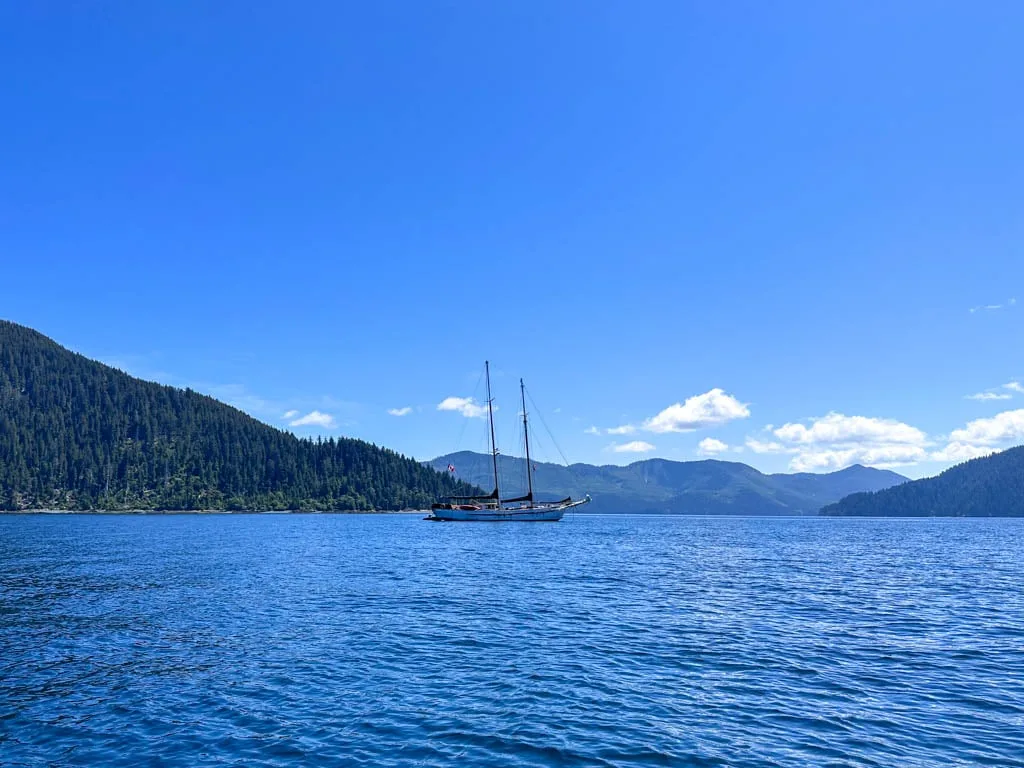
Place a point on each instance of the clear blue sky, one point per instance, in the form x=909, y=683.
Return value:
x=344, y=208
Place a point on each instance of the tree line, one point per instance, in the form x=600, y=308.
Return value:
x=77, y=434
x=992, y=486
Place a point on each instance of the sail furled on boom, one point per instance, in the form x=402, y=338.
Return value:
x=527, y=497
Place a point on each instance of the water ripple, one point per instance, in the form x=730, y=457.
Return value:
x=602, y=641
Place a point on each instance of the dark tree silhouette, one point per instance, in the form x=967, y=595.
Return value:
x=77, y=434
x=992, y=486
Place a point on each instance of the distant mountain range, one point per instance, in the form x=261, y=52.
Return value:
x=992, y=486
x=656, y=486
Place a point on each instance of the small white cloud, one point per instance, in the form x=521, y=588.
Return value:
x=992, y=394
x=961, y=452
x=988, y=396
x=315, y=419
x=759, y=446
x=592, y=431
x=557, y=410
x=993, y=307
x=400, y=411
x=625, y=429
x=636, y=446
x=290, y=414
x=710, y=409
x=711, y=447
x=464, y=405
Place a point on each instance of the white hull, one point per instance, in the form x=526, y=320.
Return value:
x=541, y=514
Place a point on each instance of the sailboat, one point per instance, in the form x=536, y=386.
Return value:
x=492, y=507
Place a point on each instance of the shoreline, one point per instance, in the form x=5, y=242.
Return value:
x=143, y=512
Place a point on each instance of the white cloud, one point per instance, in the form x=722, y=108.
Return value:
x=290, y=414
x=592, y=431
x=836, y=441
x=961, y=452
x=711, y=447
x=1003, y=427
x=557, y=410
x=707, y=410
x=982, y=437
x=881, y=456
x=625, y=429
x=400, y=411
x=464, y=405
x=758, y=446
x=315, y=419
x=992, y=307
x=838, y=428
x=989, y=396
x=637, y=446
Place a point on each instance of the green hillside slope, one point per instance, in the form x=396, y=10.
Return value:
x=77, y=434
x=992, y=486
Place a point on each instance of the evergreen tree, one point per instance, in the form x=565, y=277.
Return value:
x=992, y=486
x=77, y=434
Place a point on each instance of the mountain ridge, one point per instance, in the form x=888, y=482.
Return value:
x=76, y=434
x=990, y=486
x=663, y=486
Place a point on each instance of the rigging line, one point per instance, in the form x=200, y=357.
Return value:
x=494, y=444
x=465, y=422
x=526, y=443
x=546, y=427
x=537, y=410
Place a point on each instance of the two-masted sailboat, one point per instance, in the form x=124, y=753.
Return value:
x=492, y=507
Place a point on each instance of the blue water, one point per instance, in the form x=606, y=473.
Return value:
x=388, y=641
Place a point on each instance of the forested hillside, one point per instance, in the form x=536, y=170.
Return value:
x=77, y=434
x=992, y=486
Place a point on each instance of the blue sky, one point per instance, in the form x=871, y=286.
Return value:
x=793, y=231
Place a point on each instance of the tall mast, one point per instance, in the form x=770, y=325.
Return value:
x=526, y=439
x=490, y=413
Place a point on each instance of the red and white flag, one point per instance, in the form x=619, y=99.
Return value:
x=451, y=467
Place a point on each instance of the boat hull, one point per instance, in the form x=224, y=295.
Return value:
x=497, y=515
x=543, y=514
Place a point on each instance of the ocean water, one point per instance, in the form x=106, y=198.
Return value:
x=282, y=640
